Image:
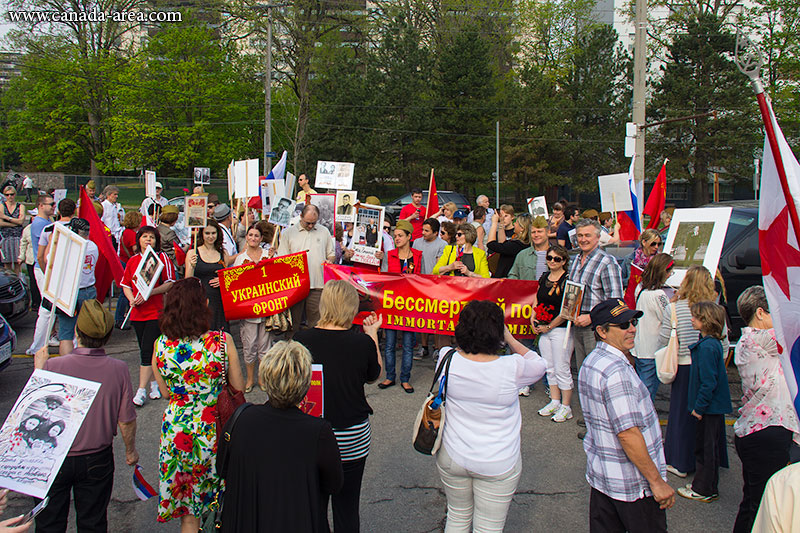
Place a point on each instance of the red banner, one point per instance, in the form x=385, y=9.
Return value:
x=431, y=304
x=265, y=289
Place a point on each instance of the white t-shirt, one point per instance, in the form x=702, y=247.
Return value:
x=89, y=264
x=110, y=218
x=482, y=428
x=27, y=183
x=147, y=202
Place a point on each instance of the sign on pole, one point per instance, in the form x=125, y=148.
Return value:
x=615, y=192
x=334, y=175
x=150, y=183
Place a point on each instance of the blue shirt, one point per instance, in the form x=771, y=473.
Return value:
x=37, y=225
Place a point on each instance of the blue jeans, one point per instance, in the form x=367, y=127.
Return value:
x=646, y=368
x=408, y=355
x=122, y=305
x=66, y=323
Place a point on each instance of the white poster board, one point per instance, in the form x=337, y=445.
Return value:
x=367, y=234
x=202, y=176
x=334, y=175
x=291, y=181
x=696, y=237
x=345, y=206
x=64, y=264
x=39, y=431
x=537, y=207
x=150, y=183
x=615, y=192
x=147, y=274
x=281, y=214
x=58, y=195
x=231, y=177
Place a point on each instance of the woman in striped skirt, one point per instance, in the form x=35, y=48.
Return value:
x=349, y=360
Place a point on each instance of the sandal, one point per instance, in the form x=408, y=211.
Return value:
x=408, y=388
x=386, y=384
x=248, y=388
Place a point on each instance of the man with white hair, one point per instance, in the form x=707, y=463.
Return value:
x=601, y=277
x=483, y=201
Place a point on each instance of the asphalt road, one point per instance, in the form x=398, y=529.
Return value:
x=401, y=490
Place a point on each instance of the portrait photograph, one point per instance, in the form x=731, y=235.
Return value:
x=537, y=207
x=367, y=234
x=202, y=176
x=148, y=272
x=571, y=301
x=696, y=237
x=345, y=207
x=281, y=213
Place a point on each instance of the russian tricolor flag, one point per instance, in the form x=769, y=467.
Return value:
x=630, y=222
x=144, y=491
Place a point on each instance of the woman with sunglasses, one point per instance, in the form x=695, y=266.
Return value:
x=462, y=258
x=649, y=243
x=448, y=232
x=653, y=302
x=679, y=441
x=12, y=219
x=552, y=334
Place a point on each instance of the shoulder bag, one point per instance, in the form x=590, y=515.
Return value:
x=667, y=357
x=278, y=323
x=229, y=397
x=427, y=435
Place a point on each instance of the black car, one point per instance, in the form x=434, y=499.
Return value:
x=393, y=208
x=8, y=342
x=14, y=296
x=739, y=264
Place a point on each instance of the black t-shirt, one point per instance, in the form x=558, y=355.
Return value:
x=349, y=359
x=551, y=293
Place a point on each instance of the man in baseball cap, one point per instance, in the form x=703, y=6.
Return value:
x=625, y=464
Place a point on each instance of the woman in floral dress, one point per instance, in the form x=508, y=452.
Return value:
x=189, y=361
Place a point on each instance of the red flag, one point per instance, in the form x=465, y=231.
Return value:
x=633, y=281
x=657, y=199
x=433, y=197
x=180, y=255
x=109, y=266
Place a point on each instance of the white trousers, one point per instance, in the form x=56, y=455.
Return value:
x=476, y=502
x=551, y=346
x=40, y=335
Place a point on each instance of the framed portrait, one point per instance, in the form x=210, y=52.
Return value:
x=367, y=231
x=202, y=176
x=696, y=237
x=39, y=431
x=148, y=272
x=195, y=211
x=571, y=301
x=537, y=207
x=345, y=207
x=281, y=213
x=325, y=204
x=64, y=264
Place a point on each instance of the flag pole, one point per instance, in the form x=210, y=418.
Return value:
x=750, y=62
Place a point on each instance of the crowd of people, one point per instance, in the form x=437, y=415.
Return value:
x=188, y=352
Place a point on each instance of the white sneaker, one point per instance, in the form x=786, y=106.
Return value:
x=155, y=394
x=550, y=408
x=140, y=397
x=563, y=414
x=525, y=391
x=54, y=342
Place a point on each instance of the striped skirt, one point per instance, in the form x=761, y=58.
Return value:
x=354, y=441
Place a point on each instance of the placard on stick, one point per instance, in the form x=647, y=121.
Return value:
x=615, y=192
x=150, y=183
x=195, y=211
x=537, y=206
x=696, y=237
x=148, y=272
x=334, y=175
x=202, y=176
x=63, y=272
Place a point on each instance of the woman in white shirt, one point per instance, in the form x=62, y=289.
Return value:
x=479, y=461
x=653, y=301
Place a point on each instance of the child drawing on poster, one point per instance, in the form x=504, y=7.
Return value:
x=40, y=429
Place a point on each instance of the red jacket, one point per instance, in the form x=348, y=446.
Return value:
x=395, y=265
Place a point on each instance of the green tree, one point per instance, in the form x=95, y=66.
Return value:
x=699, y=77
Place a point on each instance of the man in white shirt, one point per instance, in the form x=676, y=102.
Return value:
x=222, y=214
x=483, y=201
x=27, y=184
x=147, y=202
x=316, y=240
x=112, y=212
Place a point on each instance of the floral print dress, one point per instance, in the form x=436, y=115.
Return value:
x=193, y=372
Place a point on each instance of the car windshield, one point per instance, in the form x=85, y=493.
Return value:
x=740, y=221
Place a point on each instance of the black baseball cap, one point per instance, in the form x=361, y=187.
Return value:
x=613, y=311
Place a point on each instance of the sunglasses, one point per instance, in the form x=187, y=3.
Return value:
x=459, y=234
x=10, y=194
x=555, y=258
x=625, y=325
x=654, y=244
x=387, y=228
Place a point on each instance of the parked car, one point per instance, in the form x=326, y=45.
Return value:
x=8, y=342
x=739, y=264
x=14, y=296
x=393, y=208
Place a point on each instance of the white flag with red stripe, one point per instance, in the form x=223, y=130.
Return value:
x=779, y=249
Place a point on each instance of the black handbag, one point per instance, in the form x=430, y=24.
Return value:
x=427, y=435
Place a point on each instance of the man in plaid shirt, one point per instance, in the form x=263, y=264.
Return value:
x=624, y=454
